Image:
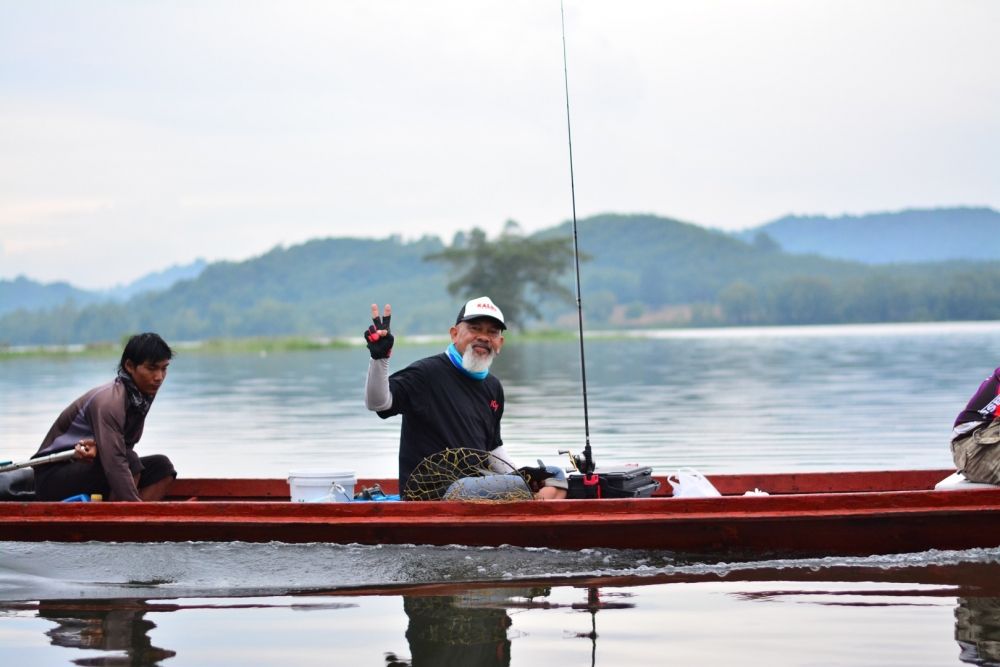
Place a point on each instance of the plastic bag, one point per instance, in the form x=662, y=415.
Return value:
x=688, y=483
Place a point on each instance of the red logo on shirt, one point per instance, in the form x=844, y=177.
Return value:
x=494, y=405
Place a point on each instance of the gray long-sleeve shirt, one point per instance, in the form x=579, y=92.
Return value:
x=103, y=414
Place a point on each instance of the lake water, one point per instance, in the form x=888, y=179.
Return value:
x=749, y=400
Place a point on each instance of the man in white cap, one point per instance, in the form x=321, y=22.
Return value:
x=449, y=400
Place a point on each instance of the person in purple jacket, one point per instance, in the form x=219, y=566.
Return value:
x=103, y=426
x=975, y=441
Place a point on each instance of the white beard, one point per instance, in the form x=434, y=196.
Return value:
x=475, y=363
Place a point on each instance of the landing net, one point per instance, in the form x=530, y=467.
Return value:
x=466, y=474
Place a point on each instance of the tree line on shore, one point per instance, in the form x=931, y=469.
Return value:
x=637, y=271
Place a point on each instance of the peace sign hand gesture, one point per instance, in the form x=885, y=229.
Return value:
x=377, y=336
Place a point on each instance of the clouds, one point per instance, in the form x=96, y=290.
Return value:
x=153, y=133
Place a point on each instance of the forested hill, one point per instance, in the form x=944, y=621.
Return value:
x=24, y=293
x=642, y=270
x=319, y=288
x=649, y=260
x=926, y=235
x=322, y=288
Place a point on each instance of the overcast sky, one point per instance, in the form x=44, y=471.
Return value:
x=138, y=135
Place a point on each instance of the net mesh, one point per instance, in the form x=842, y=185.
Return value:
x=466, y=474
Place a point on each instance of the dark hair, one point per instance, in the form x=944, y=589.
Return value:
x=144, y=347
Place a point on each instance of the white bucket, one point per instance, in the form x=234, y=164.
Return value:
x=311, y=486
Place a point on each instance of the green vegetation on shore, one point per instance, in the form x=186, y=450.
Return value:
x=257, y=345
x=643, y=272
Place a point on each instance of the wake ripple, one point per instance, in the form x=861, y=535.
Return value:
x=48, y=570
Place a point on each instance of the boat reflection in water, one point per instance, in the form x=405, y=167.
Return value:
x=977, y=630
x=493, y=624
x=117, y=626
x=457, y=630
x=471, y=628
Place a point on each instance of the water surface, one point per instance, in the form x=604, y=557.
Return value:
x=774, y=399
x=768, y=399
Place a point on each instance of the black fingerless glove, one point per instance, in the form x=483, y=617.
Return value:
x=379, y=346
x=535, y=477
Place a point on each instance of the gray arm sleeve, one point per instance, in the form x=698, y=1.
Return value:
x=499, y=461
x=377, y=395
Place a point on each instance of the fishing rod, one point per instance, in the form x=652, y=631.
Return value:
x=587, y=467
x=7, y=466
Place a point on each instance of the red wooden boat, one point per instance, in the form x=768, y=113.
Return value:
x=837, y=513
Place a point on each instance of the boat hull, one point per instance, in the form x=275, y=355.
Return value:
x=805, y=514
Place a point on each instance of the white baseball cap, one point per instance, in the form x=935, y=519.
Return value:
x=480, y=307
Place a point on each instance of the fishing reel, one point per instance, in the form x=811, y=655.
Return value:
x=580, y=462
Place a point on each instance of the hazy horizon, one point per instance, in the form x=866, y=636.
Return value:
x=140, y=136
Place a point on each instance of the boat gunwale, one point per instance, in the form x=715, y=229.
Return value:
x=616, y=510
x=859, y=522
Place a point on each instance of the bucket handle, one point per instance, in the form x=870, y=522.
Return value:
x=336, y=488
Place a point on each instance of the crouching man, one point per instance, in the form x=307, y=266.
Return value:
x=103, y=427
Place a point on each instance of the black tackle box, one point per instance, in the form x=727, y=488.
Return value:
x=618, y=482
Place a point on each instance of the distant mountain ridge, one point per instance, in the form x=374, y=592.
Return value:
x=24, y=293
x=639, y=271
x=913, y=235
x=158, y=280
x=27, y=294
